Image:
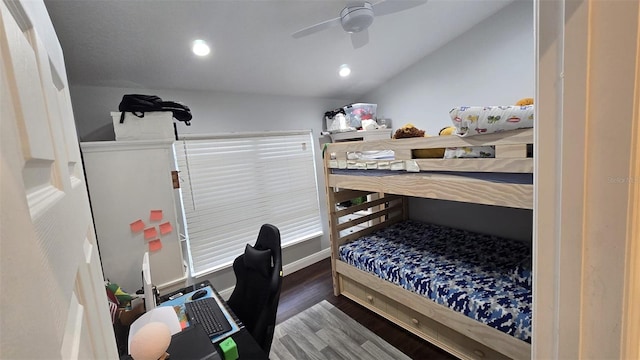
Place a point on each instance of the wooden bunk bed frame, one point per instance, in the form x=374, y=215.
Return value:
x=386, y=204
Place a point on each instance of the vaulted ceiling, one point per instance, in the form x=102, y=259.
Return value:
x=146, y=44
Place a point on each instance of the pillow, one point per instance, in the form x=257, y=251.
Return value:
x=258, y=260
x=476, y=120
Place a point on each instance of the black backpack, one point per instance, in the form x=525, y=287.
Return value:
x=138, y=104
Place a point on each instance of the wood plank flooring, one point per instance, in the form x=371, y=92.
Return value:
x=309, y=286
x=324, y=332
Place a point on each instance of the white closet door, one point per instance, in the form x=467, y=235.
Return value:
x=127, y=180
x=53, y=302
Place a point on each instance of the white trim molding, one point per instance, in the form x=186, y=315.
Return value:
x=290, y=268
x=306, y=261
x=583, y=195
x=631, y=317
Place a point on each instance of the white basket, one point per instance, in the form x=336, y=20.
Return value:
x=156, y=125
x=358, y=112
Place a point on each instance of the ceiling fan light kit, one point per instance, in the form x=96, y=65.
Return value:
x=357, y=18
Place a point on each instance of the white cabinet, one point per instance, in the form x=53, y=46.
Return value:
x=126, y=181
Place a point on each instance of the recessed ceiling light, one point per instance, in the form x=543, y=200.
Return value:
x=200, y=48
x=344, y=71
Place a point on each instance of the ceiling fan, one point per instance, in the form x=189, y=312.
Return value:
x=358, y=16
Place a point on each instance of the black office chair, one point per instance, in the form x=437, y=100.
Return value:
x=258, y=282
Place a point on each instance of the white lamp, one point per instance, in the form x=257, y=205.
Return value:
x=151, y=342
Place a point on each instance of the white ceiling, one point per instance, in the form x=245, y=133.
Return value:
x=146, y=44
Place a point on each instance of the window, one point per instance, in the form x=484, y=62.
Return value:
x=232, y=184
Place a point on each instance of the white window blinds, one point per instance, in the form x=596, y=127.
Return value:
x=231, y=185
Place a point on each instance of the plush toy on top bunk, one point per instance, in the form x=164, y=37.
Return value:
x=525, y=102
x=410, y=131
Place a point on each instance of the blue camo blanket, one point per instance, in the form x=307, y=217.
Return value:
x=486, y=278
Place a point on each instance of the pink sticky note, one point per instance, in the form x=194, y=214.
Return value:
x=165, y=228
x=137, y=226
x=155, y=245
x=150, y=233
x=155, y=215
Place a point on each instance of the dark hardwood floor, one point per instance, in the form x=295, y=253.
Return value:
x=311, y=285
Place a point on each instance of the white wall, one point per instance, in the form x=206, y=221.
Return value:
x=491, y=64
x=212, y=111
x=215, y=112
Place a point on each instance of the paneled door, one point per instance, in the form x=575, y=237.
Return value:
x=53, y=301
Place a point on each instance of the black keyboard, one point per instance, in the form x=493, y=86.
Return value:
x=207, y=313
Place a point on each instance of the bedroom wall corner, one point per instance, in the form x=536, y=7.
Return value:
x=491, y=64
x=218, y=112
x=500, y=72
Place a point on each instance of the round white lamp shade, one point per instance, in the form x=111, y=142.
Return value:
x=150, y=342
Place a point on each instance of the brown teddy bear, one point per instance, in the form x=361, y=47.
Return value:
x=410, y=131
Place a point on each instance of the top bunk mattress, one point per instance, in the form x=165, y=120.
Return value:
x=484, y=277
x=505, y=178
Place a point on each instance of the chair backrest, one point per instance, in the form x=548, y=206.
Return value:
x=258, y=282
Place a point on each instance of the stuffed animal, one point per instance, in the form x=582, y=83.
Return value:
x=115, y=292
x=449, y=130
x=525, y=101
x=410, y=131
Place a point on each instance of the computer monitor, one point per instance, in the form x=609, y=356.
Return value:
x=147, y=285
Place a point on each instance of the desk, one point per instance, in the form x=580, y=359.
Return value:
x=248, y=348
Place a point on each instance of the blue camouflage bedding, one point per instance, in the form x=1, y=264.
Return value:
x=484, y=277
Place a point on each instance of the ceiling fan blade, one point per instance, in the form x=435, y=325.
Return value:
x=315, y=28
x=386, y=7
x=360, y=39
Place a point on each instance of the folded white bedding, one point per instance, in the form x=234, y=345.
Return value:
x=371, y=155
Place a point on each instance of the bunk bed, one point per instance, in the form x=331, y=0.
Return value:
x=473, y=305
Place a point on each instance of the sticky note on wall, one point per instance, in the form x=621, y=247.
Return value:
x=137, y=226
x=155, y=215
x=155, y=245
x=150, y=233
x=165, y=228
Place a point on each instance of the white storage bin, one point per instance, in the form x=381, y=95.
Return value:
x=156, y=125
x=358, y=112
